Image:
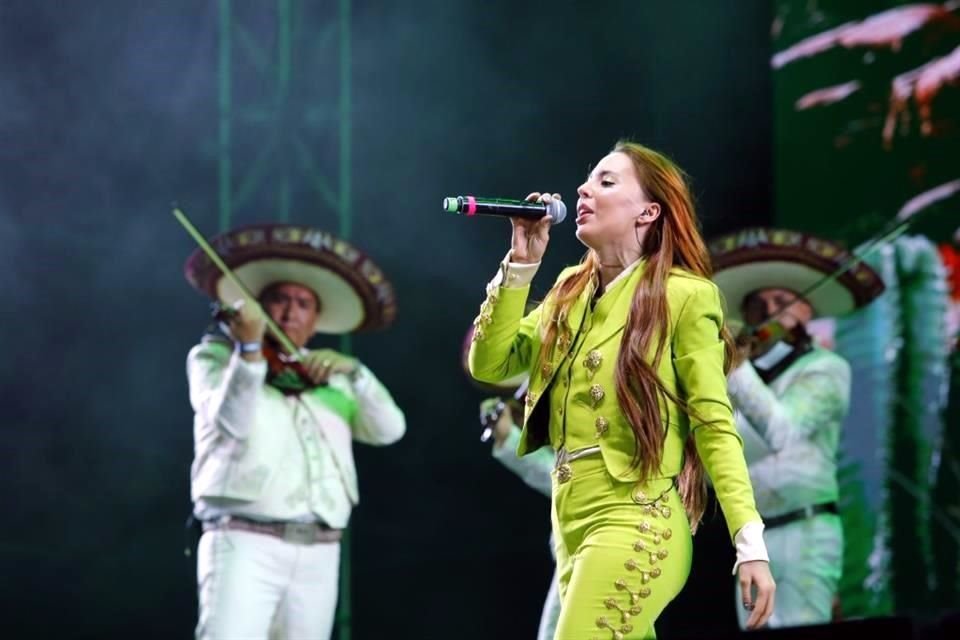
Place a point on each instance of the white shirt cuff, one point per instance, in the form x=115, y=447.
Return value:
x=252, y=372
x=750, y=544
x=739, y=379
x=514, y=275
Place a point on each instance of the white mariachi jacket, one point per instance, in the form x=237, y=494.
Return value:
x=791, y=429
x=263, y=454
x=533, y=469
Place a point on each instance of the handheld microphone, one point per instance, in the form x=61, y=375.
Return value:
x=489, y=420
x=471, y=206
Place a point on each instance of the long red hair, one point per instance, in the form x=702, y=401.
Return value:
x=672, y=241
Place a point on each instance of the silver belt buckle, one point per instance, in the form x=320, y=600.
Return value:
x=562, y=465
x=300, y=532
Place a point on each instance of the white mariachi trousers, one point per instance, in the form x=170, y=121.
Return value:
x=256, y=586
x=806, y=559
x=551, y=611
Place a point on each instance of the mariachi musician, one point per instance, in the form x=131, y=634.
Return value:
x=791, y=398
x=273, y=480
x=500, y=413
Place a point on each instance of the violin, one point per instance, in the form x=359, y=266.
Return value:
x=772, y=347
x=285, y=371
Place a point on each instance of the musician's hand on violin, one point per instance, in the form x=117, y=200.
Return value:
x=323, y=363
x=248, y=325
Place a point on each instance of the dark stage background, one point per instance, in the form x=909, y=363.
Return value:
x=112, y=110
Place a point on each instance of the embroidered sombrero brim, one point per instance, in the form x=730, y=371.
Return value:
x=354, y=294
x=760, y=258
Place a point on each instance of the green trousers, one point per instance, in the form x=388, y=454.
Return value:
x=623, y=551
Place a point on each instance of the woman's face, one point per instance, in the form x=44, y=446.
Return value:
x=610, y=202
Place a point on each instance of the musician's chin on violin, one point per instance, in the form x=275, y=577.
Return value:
x=293, y=310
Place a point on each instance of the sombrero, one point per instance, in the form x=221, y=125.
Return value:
x=354, y=293
x=759, y=258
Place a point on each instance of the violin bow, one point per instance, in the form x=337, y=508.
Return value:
x=894, y=228
x=278, y=333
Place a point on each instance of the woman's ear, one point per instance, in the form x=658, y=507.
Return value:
x=649, y=214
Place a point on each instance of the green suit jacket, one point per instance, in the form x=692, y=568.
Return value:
x=507, y=344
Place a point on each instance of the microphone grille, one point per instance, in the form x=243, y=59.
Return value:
x=557, y=210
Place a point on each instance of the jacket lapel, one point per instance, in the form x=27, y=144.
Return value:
x=575, y=319
x=614, y=318
x=542, y=377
